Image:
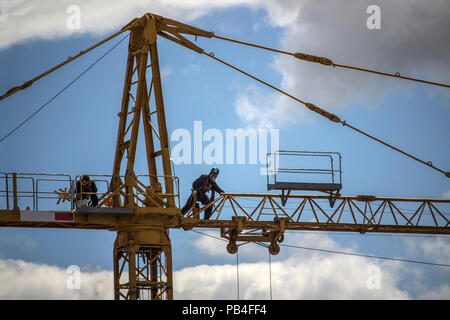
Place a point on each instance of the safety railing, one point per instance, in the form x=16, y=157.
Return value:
x=361, y=213
x=304, y=170
x=144, y=194
x=44, y=191
x=31, y=191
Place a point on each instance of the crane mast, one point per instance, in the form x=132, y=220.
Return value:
x=134, y=243
x=142, y=209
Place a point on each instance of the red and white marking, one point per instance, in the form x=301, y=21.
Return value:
x=47, y=216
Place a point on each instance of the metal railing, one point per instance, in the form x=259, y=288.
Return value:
x=332, y=173
x=44, y=191
x=27, y=190
x=143, y=192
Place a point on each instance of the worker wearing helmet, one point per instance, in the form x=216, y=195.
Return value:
x=202, y=185
x=87, y=189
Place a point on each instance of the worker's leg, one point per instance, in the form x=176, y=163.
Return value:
x=188, y=205
x=205, y=200
x=94, y=200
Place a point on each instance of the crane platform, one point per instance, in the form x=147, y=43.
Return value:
x=320, y=171
x=304, y=186
x=116, y=212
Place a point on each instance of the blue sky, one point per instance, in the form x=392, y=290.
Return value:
x=76, y=133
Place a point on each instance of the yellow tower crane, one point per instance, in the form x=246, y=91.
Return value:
x=142, y=209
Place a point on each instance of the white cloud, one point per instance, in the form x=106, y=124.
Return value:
x=413, y=41
x=23, y=20
x=298, y=275
x=261, y=109
x=440, y=293
x=295, y=274
x=210, y=245
x=434, y=249
x=26, y=280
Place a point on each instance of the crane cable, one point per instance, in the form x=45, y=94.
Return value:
x=311, y=106
x=237, y=273
x=69, y=59
x=345, y=253
x=367, y=256
x=61, y=91
x=328, y=62
x=270, y=275
x=326, y=114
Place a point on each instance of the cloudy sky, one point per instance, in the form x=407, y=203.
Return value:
x=77, y=132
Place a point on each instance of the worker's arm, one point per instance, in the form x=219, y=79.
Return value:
x=216, y=188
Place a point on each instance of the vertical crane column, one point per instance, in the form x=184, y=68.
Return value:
x=136, y=102
x=122, y=145
x=164, y=139
x=148, y=255
x=142, y=251
x=149, y=244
